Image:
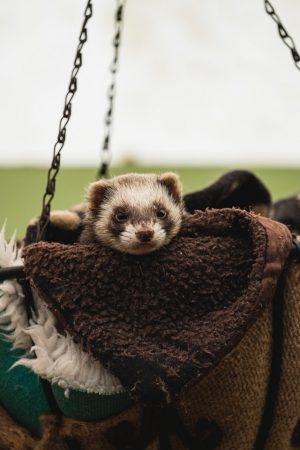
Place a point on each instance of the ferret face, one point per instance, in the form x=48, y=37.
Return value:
x=136, y=213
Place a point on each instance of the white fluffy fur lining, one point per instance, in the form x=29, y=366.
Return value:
x=56, y=357
x=60, y=360
x=13, y=317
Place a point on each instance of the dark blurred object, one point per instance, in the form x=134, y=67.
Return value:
x=287, y=211
x=239, y=188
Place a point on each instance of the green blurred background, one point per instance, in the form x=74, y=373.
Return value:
x=21, y=189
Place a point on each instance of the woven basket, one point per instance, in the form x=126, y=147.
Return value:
x=224, y=411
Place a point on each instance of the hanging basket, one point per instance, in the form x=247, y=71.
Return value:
x=240, y=385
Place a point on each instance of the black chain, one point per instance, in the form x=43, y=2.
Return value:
x=103, y=171
x=55, y=164
x=105, y=159
x=287, y=39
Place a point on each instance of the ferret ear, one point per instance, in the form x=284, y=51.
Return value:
x=96, y=193
x=172, y=183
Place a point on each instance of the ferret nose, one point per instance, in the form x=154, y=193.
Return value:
x=145, y=235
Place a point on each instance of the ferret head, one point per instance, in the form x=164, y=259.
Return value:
x=136, y=213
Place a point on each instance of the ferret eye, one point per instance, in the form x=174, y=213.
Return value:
x=161, y=213
x=121, y=216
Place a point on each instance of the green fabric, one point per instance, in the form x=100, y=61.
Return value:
x=82, y=406
x=21, y=392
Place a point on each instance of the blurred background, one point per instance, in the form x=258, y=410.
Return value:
x=203, y=87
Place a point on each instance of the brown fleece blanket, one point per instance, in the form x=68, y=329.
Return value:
x=161, y=321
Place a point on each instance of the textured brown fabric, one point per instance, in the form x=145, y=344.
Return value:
x=52, y=437
x=288, y=405
x=232, y=395
x=95, y=436
x=12, y=435
x=161, y=321
x=69, y=434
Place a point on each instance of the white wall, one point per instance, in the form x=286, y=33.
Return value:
x=201, y=81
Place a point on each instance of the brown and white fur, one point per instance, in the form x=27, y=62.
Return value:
x=133, y=213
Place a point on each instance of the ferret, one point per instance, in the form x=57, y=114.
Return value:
x=133, y=213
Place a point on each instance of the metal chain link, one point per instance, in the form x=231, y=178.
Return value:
x=103, y=171
x=55, y=164
x=105, y=151
x=286, y=38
